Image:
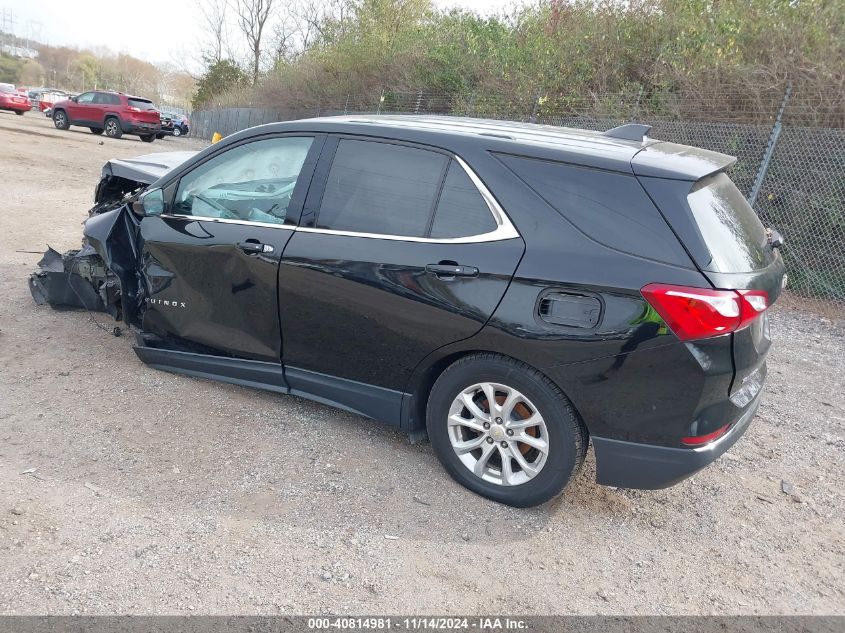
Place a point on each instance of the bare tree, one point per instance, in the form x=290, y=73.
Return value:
x=214, y=24
x=319, y=17
x=252, y=16
x=285, y=33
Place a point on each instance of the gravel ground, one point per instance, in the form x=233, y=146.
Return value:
x=129, y=490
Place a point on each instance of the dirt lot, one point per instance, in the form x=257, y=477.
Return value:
x=130, y=490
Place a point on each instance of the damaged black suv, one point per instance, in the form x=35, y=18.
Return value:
x=514, y=291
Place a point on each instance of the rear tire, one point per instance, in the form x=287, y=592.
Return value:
x=514, y=472
x=159, y=136
x=113, y=128
x=96, y=130
x=19, y=112
x=60, y=120
x=177, y=131
x=148, y=138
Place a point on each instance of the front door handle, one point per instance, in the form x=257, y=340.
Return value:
x=451, y=270
x=254, y=248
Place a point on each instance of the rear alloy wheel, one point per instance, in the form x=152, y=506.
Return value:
x=148, y=138
x=504, y=430
x=96, y=130
x=113, y=128
x=507, y=447
x=177, y=131
x=60, y=120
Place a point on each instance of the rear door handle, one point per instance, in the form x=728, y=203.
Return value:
x=254, y=248
x=451, y=270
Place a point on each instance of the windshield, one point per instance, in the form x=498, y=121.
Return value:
x=731, y=229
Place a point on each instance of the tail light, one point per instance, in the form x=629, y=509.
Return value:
x=133, y=109
x=698, y=440
x=696, y=313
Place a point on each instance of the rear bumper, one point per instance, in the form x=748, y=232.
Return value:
x=15, y=107
x=651, y=467
x=142, y=129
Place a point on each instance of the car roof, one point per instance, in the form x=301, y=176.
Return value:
x=582, y=147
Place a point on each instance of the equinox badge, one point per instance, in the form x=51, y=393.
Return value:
x=166, y=302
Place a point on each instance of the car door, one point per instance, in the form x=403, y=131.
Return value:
x=79, y=110
x=401, y=250
x=97, y=109
x=210, y=260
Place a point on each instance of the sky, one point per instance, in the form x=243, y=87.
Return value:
x=169, y=36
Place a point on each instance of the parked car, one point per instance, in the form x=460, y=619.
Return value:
x=166, y=126
x=181, y=125
x=113, y=112
x=512, y=290
x=43, y=99
x=11, y=99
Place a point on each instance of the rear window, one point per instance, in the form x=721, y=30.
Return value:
x=142, y=104
x=733, y=233
x=6, y=89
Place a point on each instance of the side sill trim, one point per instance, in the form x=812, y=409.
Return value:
x=357, y=397
x=237, y=371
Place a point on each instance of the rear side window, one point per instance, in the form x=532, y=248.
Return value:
x=381, y=188
x=141, y=104
x=731, y=230
x=608, y=207
x=461, y=210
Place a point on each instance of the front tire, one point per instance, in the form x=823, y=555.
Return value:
x=113, y=128
x=524, y=449
x=19, y=112
x=60, y=120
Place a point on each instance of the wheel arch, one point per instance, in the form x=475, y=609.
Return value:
x=429, y=370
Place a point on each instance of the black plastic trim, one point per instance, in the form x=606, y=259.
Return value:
x=650, y=467
x=238, y=371
x=367, y=400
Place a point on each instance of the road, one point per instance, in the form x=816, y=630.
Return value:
x=124, y=489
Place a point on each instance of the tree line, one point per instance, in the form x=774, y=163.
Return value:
x=76, y=70
x=723, y=56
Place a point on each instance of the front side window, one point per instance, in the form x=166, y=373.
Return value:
x=252, y=182
x=87, y=97
x=381, y=188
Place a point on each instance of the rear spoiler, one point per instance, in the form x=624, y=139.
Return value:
x=678, y=162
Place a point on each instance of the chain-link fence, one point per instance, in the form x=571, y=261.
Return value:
x=799, y=170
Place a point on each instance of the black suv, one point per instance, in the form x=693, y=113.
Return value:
x=514, y=290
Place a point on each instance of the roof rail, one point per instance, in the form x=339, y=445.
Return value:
x=630, y=131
